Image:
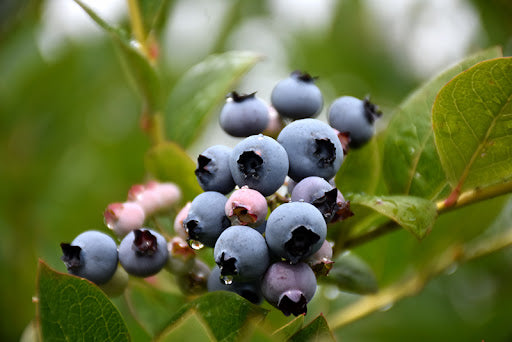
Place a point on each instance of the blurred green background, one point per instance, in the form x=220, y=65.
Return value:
x=70, y=141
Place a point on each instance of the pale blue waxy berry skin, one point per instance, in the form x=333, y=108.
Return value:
x=206, y=218
x=143, y=252
x=297, y=97
x=212, y=172
x=351, y=115
x=260, y=163
x=91, y=255
x=295, y=231
x=244, y=115
x=319, y=192
x=289, y=287
x=250, y=290
x=313, y=149
x=242, y=253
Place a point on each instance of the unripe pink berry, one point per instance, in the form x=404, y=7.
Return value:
x=181, y=256
x=275, y=124
x=246, y=207
x=321, y=262
x=122, y=218
x=169, y=194
x=178, y=221
x=148, y=199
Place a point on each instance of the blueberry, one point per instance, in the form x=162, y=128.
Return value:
x=356, y=117
x=213, y=173
x=295, y=231
x=297, y=97
x=250, y=290
x=194, y=281
x=259, y=162
x=91, y=255
x=289, y=287
x=342, y=209
x=143, y=252
x=321, y=262
x=181, y=256
x=241, y=253
x=313, y=149
x=206, y=219
x=246, y=207
x=244, y=115
x=319, y=192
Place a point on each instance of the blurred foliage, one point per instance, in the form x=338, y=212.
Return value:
x=70, y=143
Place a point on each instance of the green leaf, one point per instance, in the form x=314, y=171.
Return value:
x=317, y=330
x=417, y=215
x=153, y=308
x=225, y=314
x=289, y=329
x=74, y=309
x=472, y=120
x=351, y=274
x=138, y=67
x=411, y=163
x=169, y=162
x=201, y=91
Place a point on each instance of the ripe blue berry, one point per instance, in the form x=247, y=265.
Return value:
x=206, y=219
x=244, y=115
x=356, y=117
x=213, y=173
x=297, y=97
x=319, y=192
x=241, y=253
x=259, y=162
x=143, y=252
x=91, y=255
x=313, y=149
x=250, y=290
x=295, y=231
x=289, y=287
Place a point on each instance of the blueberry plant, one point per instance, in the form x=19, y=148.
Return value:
x=235, y=235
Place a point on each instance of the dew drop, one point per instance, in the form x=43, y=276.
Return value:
x=451, y=270
x=194, y=244
x=135, y=44
x=227, y=279
x=386, y=307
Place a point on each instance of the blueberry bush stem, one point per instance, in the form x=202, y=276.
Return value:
x=137, y=26
x=443, y=206
x=414, y=283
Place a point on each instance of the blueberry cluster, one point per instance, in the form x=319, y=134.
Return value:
x=142, y=251
x=267, y=202
x=265, y=209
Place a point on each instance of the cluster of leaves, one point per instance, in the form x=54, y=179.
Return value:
x=446, y=146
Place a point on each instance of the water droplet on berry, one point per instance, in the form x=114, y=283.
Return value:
x=194, y=244
x=227, y=279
